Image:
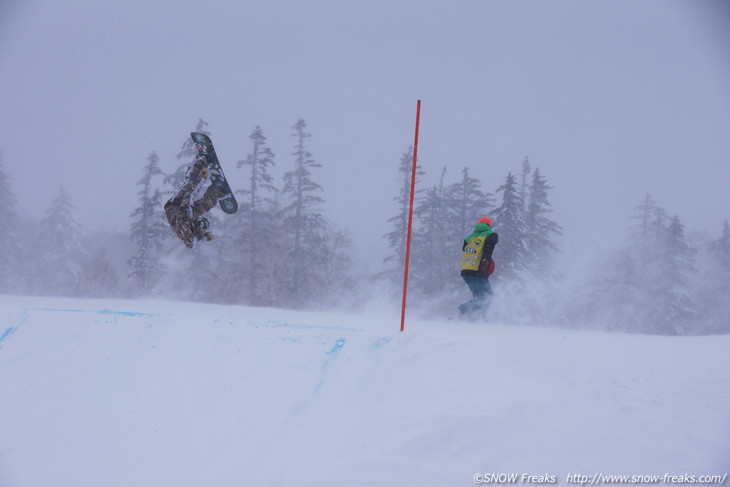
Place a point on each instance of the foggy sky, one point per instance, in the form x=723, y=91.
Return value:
x=611, y=100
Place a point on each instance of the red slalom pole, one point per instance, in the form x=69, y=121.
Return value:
x=410, y=218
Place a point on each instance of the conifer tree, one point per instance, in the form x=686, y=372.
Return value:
x=524, y=184
x=511, y=253
x=252, y=267
x=397, y=237
x=720, y=250
x=261, y=186
x=660, y=297
x=63, y=254
x=646, y=215
x=10, y=248
x=539, y=228
x=434, y=245
x=149, y=230
x=304, y=222
x=716, y=285
x=617, y=297
x=646, y=248
x=468, y=203
x=675, y=308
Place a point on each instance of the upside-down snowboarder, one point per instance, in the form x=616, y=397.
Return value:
x=476, y=267
x=185, y=210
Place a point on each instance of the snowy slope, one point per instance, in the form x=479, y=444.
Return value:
x=155, y=393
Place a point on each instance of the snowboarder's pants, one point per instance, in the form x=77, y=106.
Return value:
x=481, y=291
x=178, y=215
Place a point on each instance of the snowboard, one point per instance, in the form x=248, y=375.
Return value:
x=204, y=145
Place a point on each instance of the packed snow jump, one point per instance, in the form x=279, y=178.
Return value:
x=185, y=210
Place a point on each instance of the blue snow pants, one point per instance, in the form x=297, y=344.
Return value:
x=481, y=291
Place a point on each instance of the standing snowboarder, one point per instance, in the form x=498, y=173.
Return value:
x=477, y=265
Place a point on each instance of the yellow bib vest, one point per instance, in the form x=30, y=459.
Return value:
x=472, y=255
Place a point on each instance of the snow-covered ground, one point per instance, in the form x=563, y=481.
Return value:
x=159, y=393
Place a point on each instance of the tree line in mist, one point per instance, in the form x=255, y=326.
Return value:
x=660, y=281
x=281, y=250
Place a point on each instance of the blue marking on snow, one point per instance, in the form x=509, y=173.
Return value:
x=103, y=311
x=26, y=313
x=313, y=327
x=11, y=330
x=134, y=314
x=6, y=334
x=380, y=342
x=66, y=310
x=337, y=346
x=333, y=353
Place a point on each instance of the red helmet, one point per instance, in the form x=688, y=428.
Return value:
x=486, y=220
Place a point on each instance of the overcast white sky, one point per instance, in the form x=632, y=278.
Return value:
x=611, y=99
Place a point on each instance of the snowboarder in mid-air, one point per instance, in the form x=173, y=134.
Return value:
x=476, y=267
x=185, y=210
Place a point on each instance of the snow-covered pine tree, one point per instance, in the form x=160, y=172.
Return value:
x=304, y=224
x=467, y=203
x=540, y=229
x=62, y=253
x=510, y=254
x=646, y=248
x=524, y=184
x=617, y=298
x=716, y=288
x=10, y=248
x=680, y=312
x=663, y=290
x=720, y=250
x=149, y=231
x=251, y=263
x=434, y=250
x=645, y=216
x=652, y=221
x=398, y=236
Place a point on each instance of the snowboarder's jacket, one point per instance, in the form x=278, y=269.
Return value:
x=195, y=178
x=477, y=251
x=183, y=208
